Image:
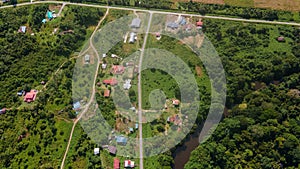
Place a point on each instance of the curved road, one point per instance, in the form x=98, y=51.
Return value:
x=159, y=12
x=93, y=93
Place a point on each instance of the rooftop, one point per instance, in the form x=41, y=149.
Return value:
x=135, y=23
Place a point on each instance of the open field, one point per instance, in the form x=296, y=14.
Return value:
x=288, y=5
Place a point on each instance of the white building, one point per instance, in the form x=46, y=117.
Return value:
x=96, y=151
x=127, y=84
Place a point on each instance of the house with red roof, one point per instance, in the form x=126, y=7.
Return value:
x=106, y=93
x=129, y=164
x=111, y=82
x=117, y=69
x=116, y=163
x=176, y=102
x=30, y=96
x=199, y=24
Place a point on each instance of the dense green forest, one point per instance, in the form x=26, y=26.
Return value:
x=262, y=126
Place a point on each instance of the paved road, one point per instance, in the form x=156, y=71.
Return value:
x=160, y=12
x=140, y=95
x=93, y=91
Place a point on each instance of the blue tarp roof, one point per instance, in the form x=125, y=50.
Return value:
x=49, y=14
x=44, y=21
x=76, y=105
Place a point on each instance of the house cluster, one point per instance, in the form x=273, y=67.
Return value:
x=28, y=96
x=182, y=22
x=49, y=16
x=135, y=24
x=127, y=164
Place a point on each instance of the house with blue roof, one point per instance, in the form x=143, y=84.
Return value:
x=121, y=140
x=49, y=15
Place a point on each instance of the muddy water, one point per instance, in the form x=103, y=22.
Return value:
x=182, y=153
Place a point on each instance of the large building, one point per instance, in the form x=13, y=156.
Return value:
x=135, y=23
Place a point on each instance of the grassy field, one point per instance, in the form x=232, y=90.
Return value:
x=288, y=5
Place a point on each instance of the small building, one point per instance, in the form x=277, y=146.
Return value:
x=116, y=163
x=112, y=150
x=136, y=125
x=96, y=151
x=22, y=29
x=176, y=102
x=76, y=106
x=2, y=111
x=129, y=64
x=117, y=69
x=127, y=84
x=132, y=37
x=182, y=20
x=104, y=65
x=135, y=23
x=44, y=20
x=121, y=140
x=172, y=25
x=106, y=93
x=21, y=93
x=131, y=129
x=30, y=96
x=104, y=55
x=129, y=164
x=280, y=39
x=87, y=59
x=199, y=24
x=111, y=82
x=43, y=82
x=114, y=56
x=157, y=35
x=49, y=15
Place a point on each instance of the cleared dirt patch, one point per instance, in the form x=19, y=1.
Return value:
x=290, y=5
x=198, y=71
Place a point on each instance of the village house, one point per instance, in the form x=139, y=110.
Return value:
x=199, y=24
x=96, y=151
x=104, y=66
x=2, y=111
x=132, y=37
x=121, y=140
x=280, y=39
x=87, y=59
x=76, y=106
x=30, y=96
x=111, y=82
x=127, y=84
x=22, y=29
x=116, y=163
x=129, y=164
x=176, y=102
x=112, y=150
x=106, y=93
x=172, y=25
x=117, y=69
x=21, y=93
x=135, y=23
